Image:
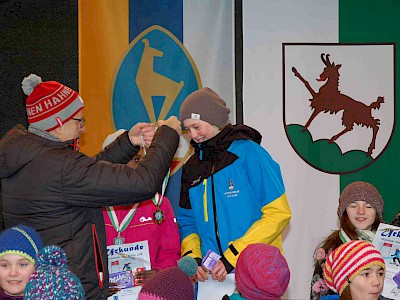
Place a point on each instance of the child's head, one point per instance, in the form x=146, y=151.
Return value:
x=52, y=279
x=112, y=137
x=262, y=272
x=360, y=206
x=172, y=283
x=19, y=247
x=356, y=267
x=204, y=114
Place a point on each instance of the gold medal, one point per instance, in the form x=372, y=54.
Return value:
x=159, y=216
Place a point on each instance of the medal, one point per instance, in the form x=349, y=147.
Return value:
x=119, y=240
x=159, y=216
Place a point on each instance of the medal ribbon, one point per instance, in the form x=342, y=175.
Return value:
x=157, y=200
x=125, y=222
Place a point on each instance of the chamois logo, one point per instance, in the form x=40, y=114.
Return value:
x=154, y=77
x=342, y=121
x=330, y=99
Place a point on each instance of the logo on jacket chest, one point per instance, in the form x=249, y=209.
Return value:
x=231, y=187
x=196, y=181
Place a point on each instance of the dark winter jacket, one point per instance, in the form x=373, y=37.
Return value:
x=60, y=193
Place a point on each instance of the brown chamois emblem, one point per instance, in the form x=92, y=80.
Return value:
x=330, y=99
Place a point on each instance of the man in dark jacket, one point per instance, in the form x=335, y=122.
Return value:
x=60, y=192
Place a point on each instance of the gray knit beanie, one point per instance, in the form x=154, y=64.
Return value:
x=205, y=105
x=360, y=191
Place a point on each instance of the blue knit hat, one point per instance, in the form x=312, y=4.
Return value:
x=52, y=280
x=21, y=240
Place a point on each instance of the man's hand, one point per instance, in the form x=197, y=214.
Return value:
x=139, y=131
x=172, y=122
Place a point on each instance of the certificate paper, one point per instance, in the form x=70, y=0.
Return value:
x=215, y=290
x=123, y=263
x=387, y=241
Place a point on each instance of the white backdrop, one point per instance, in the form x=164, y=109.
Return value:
x=313, y=195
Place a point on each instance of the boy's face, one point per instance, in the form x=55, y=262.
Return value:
x=200, y=131
x=15, y=272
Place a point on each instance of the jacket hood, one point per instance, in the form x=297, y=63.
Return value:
x=18, y=147
x=224, y=139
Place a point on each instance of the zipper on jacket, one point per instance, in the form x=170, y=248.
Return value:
x=215, y=212
x=97, y=257
x=205, y=200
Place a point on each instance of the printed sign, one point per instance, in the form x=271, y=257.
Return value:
x=124, y=261
x=387, y=241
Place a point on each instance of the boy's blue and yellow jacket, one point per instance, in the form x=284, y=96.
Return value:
x=247, y=204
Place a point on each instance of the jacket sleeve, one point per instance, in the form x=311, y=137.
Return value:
x=268, y=188
x=275, y=218
x=119, y=151
x=89, y=182
x=190, y=239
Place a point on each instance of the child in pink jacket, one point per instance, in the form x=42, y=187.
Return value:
x=162, y=235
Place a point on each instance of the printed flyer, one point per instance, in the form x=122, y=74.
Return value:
x=123, y=262
x=387, y=241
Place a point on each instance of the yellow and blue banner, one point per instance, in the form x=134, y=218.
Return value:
x=136, y=66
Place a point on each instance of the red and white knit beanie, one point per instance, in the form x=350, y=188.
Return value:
x=49, y=104
x=349, y=260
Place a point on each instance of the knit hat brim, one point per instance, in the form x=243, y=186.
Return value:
x=205, y=105
x=21, y=240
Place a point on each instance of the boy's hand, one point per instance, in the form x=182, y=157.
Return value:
x=201, y=275
x=219, y=272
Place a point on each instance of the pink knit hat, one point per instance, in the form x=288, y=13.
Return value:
x=262, y=272
x=49, y=104
x=172, y=283
x=349, y=260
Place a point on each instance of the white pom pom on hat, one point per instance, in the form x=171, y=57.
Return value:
x=30, y=82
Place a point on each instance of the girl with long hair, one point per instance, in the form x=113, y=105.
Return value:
x=360, y=212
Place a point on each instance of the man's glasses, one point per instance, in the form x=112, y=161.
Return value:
x=81, y=121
